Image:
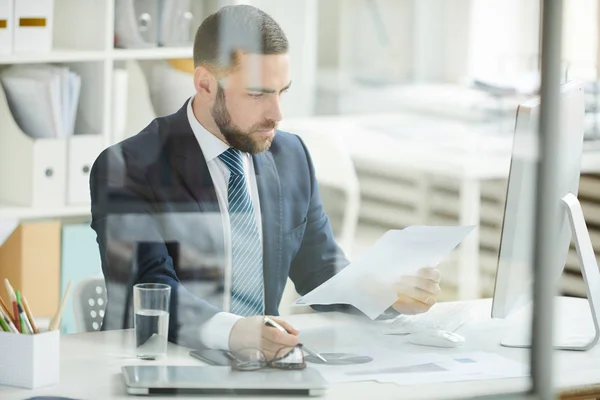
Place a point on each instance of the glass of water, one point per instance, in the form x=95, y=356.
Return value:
x=151, y=307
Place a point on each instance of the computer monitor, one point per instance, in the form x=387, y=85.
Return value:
x=514, y=276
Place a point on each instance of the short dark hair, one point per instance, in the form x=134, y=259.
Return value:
x=233, y=30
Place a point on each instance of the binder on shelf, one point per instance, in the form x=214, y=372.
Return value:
x=136, y=23
x=176, y=23
x=30, y=260
x=140, y=110
x=6, y=27
x=119, y=104
x=82, y=152
x=151, y=23
x=32, y=171
x=43, y=98
x=34, y=23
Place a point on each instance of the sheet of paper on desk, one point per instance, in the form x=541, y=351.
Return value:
x=7, y=227
x=364, y=362
x=367, y=283
x=453, y=368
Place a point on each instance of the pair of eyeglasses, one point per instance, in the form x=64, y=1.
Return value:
x=289, y=358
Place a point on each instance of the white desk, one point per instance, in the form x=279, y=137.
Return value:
x=435, y=147
x=91, y=362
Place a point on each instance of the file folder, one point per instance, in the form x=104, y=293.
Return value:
x=176, y=23
x=6, y=26
x=32, y=171
x=34, y=23
x=43, y=98
x=136, y=23
x=120, y=87
x=82, y=152
x=140, y=111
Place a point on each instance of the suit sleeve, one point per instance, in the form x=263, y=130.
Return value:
x=132, y=249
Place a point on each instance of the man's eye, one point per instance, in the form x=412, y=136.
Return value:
x=255, y=96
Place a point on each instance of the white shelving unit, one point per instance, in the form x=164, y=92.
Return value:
x=56, y=56
x=30, y=213
x=151, y=54
x=68, y=56
x=83, y=40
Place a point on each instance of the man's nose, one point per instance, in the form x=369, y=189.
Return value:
x=274, y=112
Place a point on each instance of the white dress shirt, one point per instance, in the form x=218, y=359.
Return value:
x=214, y=333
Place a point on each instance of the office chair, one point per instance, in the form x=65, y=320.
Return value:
x=334, y=169
x=89, y=303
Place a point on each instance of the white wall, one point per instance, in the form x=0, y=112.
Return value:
x=580, y=37
x=328, y=26
x=440, y=40
x=395, y=40
x=376, y=38
x=298, y=19
x=504, y=37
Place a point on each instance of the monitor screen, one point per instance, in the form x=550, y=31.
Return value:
x=513, y=286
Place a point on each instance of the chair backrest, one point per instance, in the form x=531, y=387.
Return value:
x=89, y=303
x=334, y=168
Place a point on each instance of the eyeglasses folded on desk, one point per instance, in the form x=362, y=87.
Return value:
x=287, y=358
x=252, y=359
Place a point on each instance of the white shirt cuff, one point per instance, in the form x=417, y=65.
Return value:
x=214, y=333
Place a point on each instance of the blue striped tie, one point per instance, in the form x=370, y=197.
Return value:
x=246, y=248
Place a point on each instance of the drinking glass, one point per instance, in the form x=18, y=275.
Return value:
x=151, y=308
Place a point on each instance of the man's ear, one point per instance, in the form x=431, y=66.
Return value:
x=204, y=83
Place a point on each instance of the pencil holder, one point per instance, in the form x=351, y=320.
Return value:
x=29, y=361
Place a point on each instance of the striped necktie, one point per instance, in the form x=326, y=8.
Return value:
x=246, y=248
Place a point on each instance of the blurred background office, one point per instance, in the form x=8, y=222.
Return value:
x=407, y=106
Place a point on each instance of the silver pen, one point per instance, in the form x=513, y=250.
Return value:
x=268, y=321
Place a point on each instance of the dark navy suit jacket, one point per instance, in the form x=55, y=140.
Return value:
x=157, y=219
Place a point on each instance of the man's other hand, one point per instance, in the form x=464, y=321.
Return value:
x=417, y=294
x=251, y=333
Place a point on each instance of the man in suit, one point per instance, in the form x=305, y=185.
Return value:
x=216, y=196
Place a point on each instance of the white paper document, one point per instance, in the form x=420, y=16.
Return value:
x=353, y=364
x=457, y=367
x=382, y=364
x=367, y=283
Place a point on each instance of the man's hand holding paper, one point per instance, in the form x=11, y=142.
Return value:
x=398, y=270
x=417, y=293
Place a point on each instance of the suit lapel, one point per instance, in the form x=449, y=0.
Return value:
x=189, y=162
x=269, y=192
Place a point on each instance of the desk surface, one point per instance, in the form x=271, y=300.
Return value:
x=91, y=363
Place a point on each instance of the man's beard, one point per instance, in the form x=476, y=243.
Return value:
x=242, y=140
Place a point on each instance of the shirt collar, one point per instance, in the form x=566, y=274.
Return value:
x=211, y=145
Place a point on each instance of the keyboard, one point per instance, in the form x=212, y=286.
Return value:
x=447, y=316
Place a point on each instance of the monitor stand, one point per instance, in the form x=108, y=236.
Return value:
x=591, y=277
